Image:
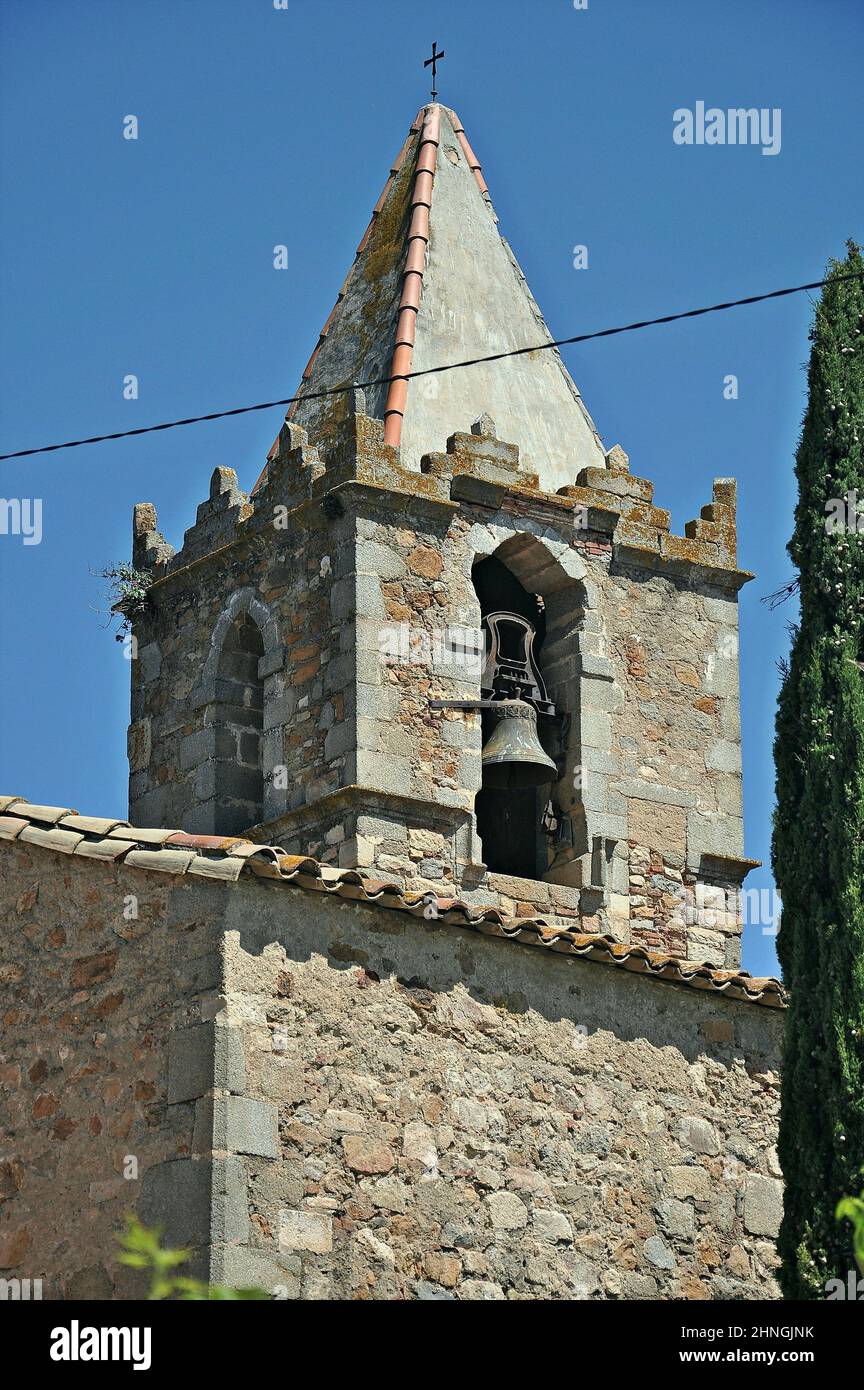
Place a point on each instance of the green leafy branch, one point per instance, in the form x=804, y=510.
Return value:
x=852, y=1208
x=128, y=594
x=142, y=1249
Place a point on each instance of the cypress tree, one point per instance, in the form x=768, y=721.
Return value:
x=818, y=843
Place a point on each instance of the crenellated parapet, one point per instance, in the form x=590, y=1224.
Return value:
x=293, y=468
x=475, y=467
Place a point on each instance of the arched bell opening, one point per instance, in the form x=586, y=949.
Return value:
x=521, y=738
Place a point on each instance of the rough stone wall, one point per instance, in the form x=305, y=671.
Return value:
x=89, y=998
x=675, y=746
x=335, y=1101
x=645, y=663
x=459, y=1118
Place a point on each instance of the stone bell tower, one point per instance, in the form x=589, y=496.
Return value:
x=320, y=663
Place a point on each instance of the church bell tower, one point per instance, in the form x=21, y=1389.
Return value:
x=448, y=640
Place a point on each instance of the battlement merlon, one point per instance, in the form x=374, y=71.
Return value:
x=477, y=468
x=150, y=550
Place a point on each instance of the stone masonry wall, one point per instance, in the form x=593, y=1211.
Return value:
x=329, y=1100
x=459, y=1117
x=90, y=996
x=645, y=663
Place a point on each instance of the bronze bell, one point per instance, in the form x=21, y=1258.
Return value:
x=513, y=756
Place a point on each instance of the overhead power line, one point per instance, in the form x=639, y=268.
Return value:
x=432, y=371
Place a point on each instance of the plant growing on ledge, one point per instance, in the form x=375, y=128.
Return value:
x=128, y=594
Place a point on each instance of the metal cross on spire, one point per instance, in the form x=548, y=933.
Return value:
x=434, y=60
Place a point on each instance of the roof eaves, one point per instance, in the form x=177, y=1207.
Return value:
x=223, y=857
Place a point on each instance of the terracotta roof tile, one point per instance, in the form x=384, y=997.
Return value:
x=49, y=815
x=229, y=867
x=91, y=825
x=183, y=840
x=164, y=861
x=104, y=849
x=214, y=856
x=470, y=157
x=11, y=826
x=49, y=837
x=143, y=837
x=412, y=275
x=382, y=197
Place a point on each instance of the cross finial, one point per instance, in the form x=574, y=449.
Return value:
x=434, y=60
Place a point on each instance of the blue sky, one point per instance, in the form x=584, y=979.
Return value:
x=261, y=126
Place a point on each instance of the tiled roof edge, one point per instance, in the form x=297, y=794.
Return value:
x=227, y=857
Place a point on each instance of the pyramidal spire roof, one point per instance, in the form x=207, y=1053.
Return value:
x=433, y=282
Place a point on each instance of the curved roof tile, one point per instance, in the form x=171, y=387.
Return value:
x=226, y=857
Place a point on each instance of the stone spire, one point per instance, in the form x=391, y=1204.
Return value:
x=433, y=282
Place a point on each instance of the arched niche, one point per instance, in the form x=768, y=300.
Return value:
x=237, y=719
x=234, y=769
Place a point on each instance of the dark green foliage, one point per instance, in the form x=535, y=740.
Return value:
x=852, y=1209
x=818, y=846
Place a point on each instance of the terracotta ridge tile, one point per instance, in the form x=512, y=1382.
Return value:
x=412, y=276
x=187, y=841
x=470, y=157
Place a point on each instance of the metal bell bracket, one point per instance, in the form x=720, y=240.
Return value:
x=562, y=720
x=464, y=704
